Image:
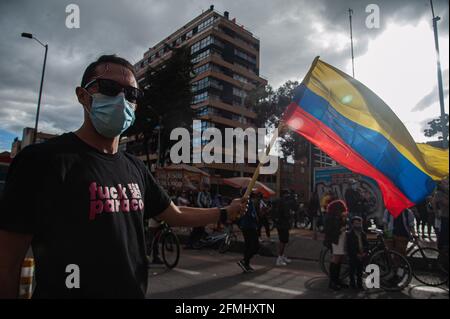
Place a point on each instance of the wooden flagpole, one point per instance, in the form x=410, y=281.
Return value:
x=281, y=127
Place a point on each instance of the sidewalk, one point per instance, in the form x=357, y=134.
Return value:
x=301, y=243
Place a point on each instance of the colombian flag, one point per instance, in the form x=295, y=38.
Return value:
x=358, y=130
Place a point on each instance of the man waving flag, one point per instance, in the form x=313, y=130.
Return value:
x=358, y=130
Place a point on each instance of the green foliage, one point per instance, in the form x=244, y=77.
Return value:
x=167, y=101
x=435, y=127
x=269, y=106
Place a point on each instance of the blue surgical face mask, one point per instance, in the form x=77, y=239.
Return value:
x=111, y=115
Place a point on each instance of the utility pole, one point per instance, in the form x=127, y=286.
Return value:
x=350, y=14
x=439, y=75
x=30, y=36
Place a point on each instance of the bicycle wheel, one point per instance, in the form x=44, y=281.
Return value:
x=395, y=270
x=427, y=266
x=227, y=243
x=170, y=249
x=324, y=263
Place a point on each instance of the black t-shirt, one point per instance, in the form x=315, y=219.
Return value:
x=86, y=208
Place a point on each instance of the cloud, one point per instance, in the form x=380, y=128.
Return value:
x=433, y=97
x=292, y=33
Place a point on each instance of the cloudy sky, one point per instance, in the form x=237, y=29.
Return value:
x=397, y=61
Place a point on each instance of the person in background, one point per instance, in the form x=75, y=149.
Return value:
x=313, y=208
x=401, y=229
x=263, y=220
x=204, y=200
x=249, y=227
x=327, y=198
x=354, y=200
x=217, y=201
x=335, y=237
x=295, y=209
x=431, y=217
x=282, y=211
x=192, y=197
x=357, y=249
x=440, y=204
x=173, y=194
x=422, y=219
x=153, y=227
x=183, y=200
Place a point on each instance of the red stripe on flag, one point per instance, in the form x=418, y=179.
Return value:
x=324, y=138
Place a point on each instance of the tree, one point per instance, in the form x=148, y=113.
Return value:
x=167, y=101
x=435, y=127
x=269, y=106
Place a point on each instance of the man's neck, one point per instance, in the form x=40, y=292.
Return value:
x=89, y=135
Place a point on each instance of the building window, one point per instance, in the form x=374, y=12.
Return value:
x=201, y=56
x=239, y=93
x=240, y=78
x=201, y=127
x=245, y=56
x=203, y=111
x=205, y=24
x=200, y=98
x=200, y=85
x=203, y=68
x=201, y=44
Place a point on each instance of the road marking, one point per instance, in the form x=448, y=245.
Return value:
x=438, y=290
x=185, y=271
x=265, y=287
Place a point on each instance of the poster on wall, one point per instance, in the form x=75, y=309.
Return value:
x=338, y=179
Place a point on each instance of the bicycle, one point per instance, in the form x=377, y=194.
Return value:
x=224, y=240
x=395, y=270
x=429, y=265
x=169, y=245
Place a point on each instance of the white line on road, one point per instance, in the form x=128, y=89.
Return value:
x=283, y=290
x=185, y=271
x=438, y=290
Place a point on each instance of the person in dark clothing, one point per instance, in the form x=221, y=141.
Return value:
x=335, y=236
x=249, y=227
x=354, y=200
x=281, y=214
x=80, y=200
x=263, y=218
x=357, y=248
x=422, y=219
x=313, y=208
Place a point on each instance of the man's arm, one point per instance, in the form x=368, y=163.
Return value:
x=13, y=247
x=196, y=217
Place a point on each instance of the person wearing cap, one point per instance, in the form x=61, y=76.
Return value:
x=335, y=236
x=357, y=248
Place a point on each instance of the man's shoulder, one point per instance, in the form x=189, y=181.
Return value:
x=44, y=150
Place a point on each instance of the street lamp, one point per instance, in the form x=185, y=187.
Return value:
x=30, y=36
x=439, y=75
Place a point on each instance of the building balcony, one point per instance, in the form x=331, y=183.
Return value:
x=217, y=103
x=224, y=121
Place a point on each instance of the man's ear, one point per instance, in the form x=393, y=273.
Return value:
x=83, y=97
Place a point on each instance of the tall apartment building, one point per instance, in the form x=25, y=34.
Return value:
x=226, y=65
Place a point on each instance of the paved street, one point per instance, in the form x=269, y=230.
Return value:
x=208, y=274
